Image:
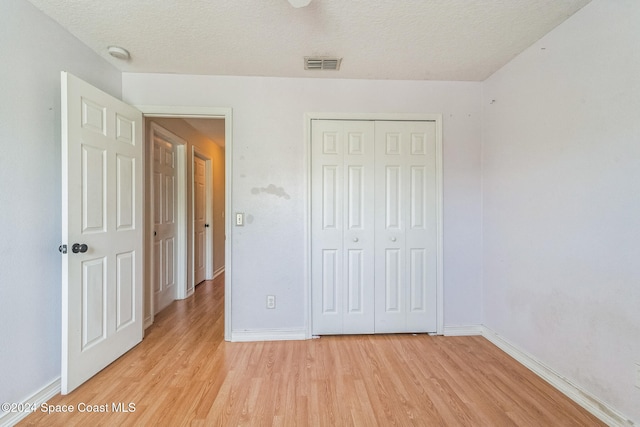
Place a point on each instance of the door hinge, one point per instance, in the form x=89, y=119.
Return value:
x=62, y=249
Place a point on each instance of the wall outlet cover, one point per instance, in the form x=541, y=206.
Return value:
x=271, y=301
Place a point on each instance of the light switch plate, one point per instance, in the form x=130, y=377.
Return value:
x=239, y=219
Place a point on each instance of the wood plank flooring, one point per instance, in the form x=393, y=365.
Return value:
x=185, y=374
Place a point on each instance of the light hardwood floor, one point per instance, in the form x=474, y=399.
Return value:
x=184, y=373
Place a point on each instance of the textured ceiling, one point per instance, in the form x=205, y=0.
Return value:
x=378, y=39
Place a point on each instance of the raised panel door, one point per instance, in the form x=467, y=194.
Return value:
x=374, y=226
x=102, y=154
x=164, y=227
x=342, y=227
x=200, y=219
x=406, y=235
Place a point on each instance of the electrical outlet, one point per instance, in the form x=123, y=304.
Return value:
x=271, y=301
x=638, y=375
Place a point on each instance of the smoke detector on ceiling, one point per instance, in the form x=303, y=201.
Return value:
x=322, y=63
x=119, y=52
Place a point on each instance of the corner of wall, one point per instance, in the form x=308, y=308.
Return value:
x=582, y=397
x=482, y=144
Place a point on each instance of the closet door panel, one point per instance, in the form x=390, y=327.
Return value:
x=359, y=226
x=373, y=227
x=421, y=232
x=342, y=226
x=405, y=283
x=327, y=227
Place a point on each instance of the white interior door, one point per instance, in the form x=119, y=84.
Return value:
x=406, y=227
x=374, y=226
x=200, y=219
x=102, y=192
x=165, y=214
x=342, y=221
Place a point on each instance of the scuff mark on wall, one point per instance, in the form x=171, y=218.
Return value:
x=271, y=189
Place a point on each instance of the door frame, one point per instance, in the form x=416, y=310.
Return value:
x=437, y=118
x=208, y=201
x=183, y=112
x=181, y=214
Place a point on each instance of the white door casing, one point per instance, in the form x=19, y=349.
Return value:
x=199, y=219
x=169, y=111
x=342, y=221
x=102, y=194
x=165, y=239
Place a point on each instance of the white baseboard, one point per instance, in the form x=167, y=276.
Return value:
x=147, y=322
x=597, y=407
x=218, y=272
x=268, y=335
x=10, y=419
x=462, y=330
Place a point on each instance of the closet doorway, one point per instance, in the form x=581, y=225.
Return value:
x=376, y=225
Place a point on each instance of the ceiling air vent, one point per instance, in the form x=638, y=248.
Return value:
x=321, y=63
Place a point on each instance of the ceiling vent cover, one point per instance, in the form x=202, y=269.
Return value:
x=321, y=63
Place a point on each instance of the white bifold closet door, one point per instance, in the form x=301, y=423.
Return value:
x=406, y=227
x=374, y=226
x=342, y=217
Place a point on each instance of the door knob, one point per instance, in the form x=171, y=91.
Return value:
x=206, y=225
x=79, y=247
x=393, y=239
x=355, y=239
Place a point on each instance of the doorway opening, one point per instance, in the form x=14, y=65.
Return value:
x=208, y=140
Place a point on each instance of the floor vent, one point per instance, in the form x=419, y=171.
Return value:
x=321, y=63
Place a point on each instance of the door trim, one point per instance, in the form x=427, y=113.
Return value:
x=178, y=112
x=437, y=118
x=181, y=213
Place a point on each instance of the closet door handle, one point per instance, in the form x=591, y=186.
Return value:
x=355, y=239
x=393, y=239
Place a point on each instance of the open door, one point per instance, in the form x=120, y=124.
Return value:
x=102, y=230
x=200, y=224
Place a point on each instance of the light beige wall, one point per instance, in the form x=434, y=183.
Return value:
x=560, y=173
x=269, y=149
x=213, y=151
